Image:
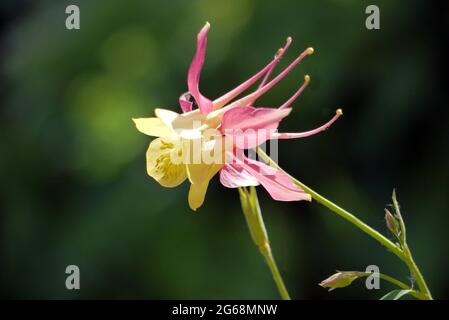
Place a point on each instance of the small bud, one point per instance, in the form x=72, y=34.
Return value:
x=339, y=280
x=392, y=223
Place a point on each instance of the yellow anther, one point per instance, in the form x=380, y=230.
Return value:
x=278, y=52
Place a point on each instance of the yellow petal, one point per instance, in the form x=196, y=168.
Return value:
x=201, y=167
x=152, y=127
x=166, y=116
x=197, y=193
x=200, y=175
x=187, y=125
x=164, y=162
x=203, y=157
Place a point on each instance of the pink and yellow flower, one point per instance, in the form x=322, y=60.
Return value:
x=221, y=130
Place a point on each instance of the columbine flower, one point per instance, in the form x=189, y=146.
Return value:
x=216, y=129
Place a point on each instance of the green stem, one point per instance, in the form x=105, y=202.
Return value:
x=411, y=264
x=340, y=211
x=256, y=225
x=403, y=255
x=268, y=255
x=396, y=282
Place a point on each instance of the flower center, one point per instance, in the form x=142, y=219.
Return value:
x=164, y=159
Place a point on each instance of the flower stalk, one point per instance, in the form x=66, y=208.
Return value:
x=343, y=279
x=401, y=251
x=256, y=225
x=408, y=258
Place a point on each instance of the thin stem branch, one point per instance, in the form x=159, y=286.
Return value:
x=256, y=225
x=403, y=254
x=268, y=255
x=396, y=282
x=340, y=211
x=407, y=253
x=417, y=275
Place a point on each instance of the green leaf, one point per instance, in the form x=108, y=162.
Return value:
x=395, y=294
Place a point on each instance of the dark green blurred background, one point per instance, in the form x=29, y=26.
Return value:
x=74, y=187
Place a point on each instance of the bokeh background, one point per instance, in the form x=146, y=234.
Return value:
x=74, y=187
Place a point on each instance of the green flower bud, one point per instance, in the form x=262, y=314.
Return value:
x=340, y=280
x=392, y=223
